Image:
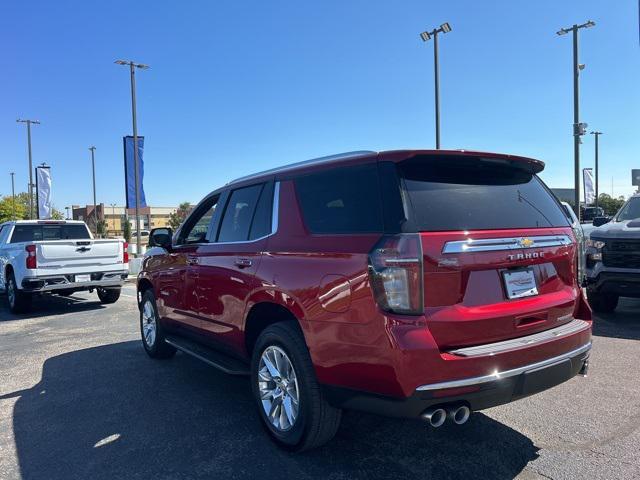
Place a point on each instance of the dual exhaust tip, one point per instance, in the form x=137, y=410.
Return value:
x=436, y=416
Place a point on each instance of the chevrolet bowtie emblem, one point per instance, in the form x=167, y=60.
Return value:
x=526, y=242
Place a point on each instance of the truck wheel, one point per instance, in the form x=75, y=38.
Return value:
x=153, y=338
x=602, y=302
x=19, y=302
x=108, y=295
x=289, y=398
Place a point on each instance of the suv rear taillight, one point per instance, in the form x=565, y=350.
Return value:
x=31, y=256
x=125, y=252
x=395, y=271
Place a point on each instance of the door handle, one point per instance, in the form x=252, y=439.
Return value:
x=192, y=261
x=243, y=262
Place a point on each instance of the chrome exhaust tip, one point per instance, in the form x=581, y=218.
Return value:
x=435, y=416
x=585, y=368
x=460, y=414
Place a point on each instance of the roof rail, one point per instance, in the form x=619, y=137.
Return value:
x=305, y=163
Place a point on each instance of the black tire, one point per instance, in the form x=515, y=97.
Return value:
x=158, y=348
x=108, y=295
x=317, y=421
x=602, y=302
x=19, y=301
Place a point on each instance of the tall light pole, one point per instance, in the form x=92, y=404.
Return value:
x=13, y=196
x=426, y=36
x=578, y=128
x=93, y=170
x=29, y=123
x=597, y=135
x=132, y=69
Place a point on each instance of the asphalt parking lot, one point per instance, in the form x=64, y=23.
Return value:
x=79, y=398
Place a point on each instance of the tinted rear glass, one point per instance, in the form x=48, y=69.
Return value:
x=341, y=200
x=474, y=195
x=34, y=233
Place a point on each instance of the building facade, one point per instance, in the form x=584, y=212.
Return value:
x=115, y=217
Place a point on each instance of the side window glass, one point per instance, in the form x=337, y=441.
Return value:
x=261, y=226
x=238, y=215
x=195, y=230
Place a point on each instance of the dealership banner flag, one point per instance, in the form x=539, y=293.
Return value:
x=43, y=191
x=130, y=173
x=589, y=192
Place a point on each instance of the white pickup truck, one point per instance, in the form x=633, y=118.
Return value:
x=58, y=256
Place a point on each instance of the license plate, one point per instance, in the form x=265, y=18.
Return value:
x=520, y=283
x=83, y=278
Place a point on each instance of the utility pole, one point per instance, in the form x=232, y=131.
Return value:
x=29, y=123
x=597, y=135
x=579, y=129
x=13, y=196
x=132, y=67
x=426, y=36
x=95, y=205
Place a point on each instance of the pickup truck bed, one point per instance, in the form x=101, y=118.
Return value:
x=58, y=257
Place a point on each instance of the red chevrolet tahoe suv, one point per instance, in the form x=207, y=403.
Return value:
x=424, y=284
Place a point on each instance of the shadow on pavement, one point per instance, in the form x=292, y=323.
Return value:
x=111, y=412
x=51, y=305
x=624, y=322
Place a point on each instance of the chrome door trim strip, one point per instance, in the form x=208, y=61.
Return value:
x=570, y=328
x=505, y=243
x=466, y=382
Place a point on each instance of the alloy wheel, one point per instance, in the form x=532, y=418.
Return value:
x=278, y=387
x=149, y=324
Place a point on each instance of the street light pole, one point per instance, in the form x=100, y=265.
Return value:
x=29, y=122
x=426, y=36
x=13, y=196
x=132, y=67
x=578, y=128
x=597, y=135
x=95, y=205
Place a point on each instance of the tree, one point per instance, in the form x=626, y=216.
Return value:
x=609, y=204
x=8, y=209
x=56, y=214
x=176, y=218
x=126, y=230
x=101, y=228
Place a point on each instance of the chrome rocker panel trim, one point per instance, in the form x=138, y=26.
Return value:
x=466, y=382
x=507, y=243
x=570, y=328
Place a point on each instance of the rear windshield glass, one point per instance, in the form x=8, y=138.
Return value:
x=34, y=233
x=473, y=195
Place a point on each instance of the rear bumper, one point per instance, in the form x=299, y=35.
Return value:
x=478, y=392
x=624, y=284
x=51, y=283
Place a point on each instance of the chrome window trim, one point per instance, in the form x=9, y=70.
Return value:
x=570, y=328
x=466, y=382
x=274, y=220
x=505, y=243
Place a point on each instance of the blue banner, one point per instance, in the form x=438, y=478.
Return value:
x=130, y=174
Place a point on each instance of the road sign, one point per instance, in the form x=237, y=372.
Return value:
x=635, y=177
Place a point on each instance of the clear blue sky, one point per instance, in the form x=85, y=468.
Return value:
x=239, y=86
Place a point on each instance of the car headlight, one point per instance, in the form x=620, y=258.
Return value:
x=594, y=250
x=597, y=244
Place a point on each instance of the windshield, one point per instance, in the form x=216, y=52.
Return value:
x=630, y=211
